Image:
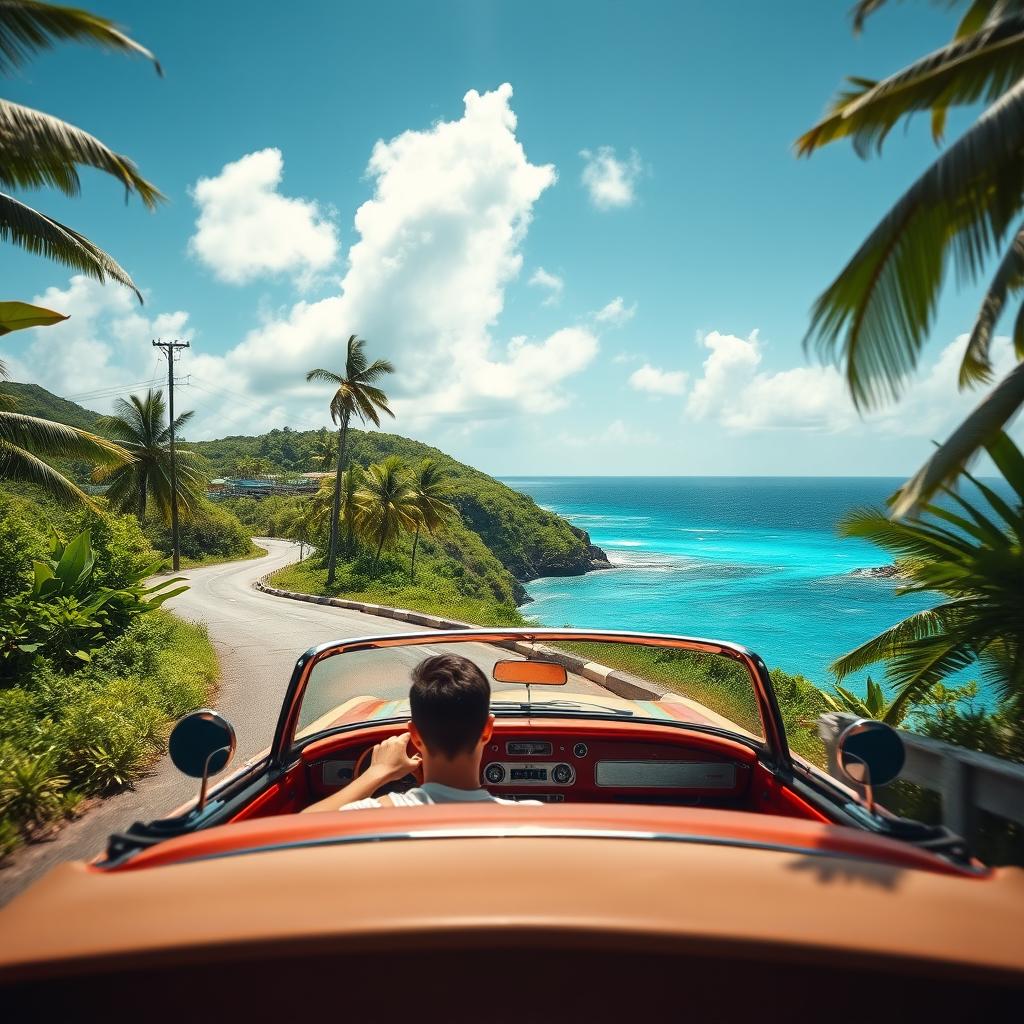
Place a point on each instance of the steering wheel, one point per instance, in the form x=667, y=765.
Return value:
x=364, y=759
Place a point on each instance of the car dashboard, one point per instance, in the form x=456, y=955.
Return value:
x=569, y=761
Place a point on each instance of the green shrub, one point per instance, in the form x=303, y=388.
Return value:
x=100, y=727
x=31, y=787
x=10, y=837
x=213, y=532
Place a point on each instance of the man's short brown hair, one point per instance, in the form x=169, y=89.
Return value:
x=450, y=701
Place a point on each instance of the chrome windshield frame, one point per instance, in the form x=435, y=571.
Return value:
x=774, y=747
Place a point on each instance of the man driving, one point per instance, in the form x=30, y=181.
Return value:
x=450, y=705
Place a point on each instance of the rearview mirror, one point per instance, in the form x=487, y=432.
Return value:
x=201, y=745
x=531, y=673
x=870, y=754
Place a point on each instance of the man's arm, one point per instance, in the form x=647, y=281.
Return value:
x=390, y=761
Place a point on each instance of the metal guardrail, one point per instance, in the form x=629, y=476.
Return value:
x=965, y=780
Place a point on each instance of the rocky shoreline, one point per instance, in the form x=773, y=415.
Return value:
x=879, y=572
x=588, y=558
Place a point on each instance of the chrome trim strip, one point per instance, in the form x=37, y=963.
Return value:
x=535, y=832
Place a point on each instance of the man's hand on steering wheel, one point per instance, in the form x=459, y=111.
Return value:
x=391, y=760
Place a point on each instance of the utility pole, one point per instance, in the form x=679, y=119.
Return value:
x=169, y=348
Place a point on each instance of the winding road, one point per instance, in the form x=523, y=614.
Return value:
x=258, y=637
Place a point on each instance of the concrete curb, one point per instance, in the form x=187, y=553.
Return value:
x=621, y=684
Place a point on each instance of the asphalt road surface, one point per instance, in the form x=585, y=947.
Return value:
x=258, y=638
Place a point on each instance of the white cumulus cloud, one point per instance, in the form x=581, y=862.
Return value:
x=551, y=283
x=609, y=181
x=658, y=382
x=735, y=392
x=246, y=228
x=102, y=350
x=615, y=313
x=438, y=243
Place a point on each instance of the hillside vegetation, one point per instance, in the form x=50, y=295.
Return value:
x=528, y=540
x=475, y=567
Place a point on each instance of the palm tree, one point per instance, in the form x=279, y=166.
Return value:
x=24, y=439
x=355, y=395
x=140, y=427
x=323, y=450
x=875, y=317
x=351, y=482
x=38, y=149
x=429, y=488
x=974, y=556
x=386, y=504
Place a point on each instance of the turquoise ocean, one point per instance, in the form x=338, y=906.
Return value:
x=755, y=560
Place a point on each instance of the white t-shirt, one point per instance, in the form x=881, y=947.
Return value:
x=435, y=793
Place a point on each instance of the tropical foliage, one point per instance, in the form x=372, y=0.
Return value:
x=139, y=426
x=429, y=493
x=875, y=317
x=386, y=504
x=67, y=615
x=873, y=704
x=355, y=395
x=972, y=553
x=41, y=150
x=24, y=440
x=96, y=671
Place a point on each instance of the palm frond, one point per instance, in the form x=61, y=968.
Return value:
x=44, y=236
x=978, y=68
x=324, y=376
x=58, y=440
x=17, y=463
x=375, y=370
x=29, y=26
x=875, y=316
x=976, y=366
x=37, y=149
x=982, y=427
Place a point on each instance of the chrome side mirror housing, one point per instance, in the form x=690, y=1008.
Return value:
x=200, y=745
x=870, y=754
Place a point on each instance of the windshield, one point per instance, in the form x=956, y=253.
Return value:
x=573, y=674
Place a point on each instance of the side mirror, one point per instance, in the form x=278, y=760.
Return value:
x=201, y=745
x=870, y=754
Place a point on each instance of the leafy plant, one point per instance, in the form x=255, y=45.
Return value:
x=974, y=556
x=10, y=837
x=30, y=788
x=875, y=317
x=873, y=705
x=113, y=764
x=66, y=615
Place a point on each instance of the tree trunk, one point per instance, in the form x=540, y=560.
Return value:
x=332, y=546
x=380, y=547
x=415, y=542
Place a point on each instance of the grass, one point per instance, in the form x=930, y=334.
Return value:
x=64, y=736
x=428, y=593
x=255, y=551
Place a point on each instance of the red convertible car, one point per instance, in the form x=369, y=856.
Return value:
x=675, y=858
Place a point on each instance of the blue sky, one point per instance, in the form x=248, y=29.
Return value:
x=604, y=266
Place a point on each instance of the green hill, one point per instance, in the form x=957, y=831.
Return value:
x=528, y=540
x=36, y=401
